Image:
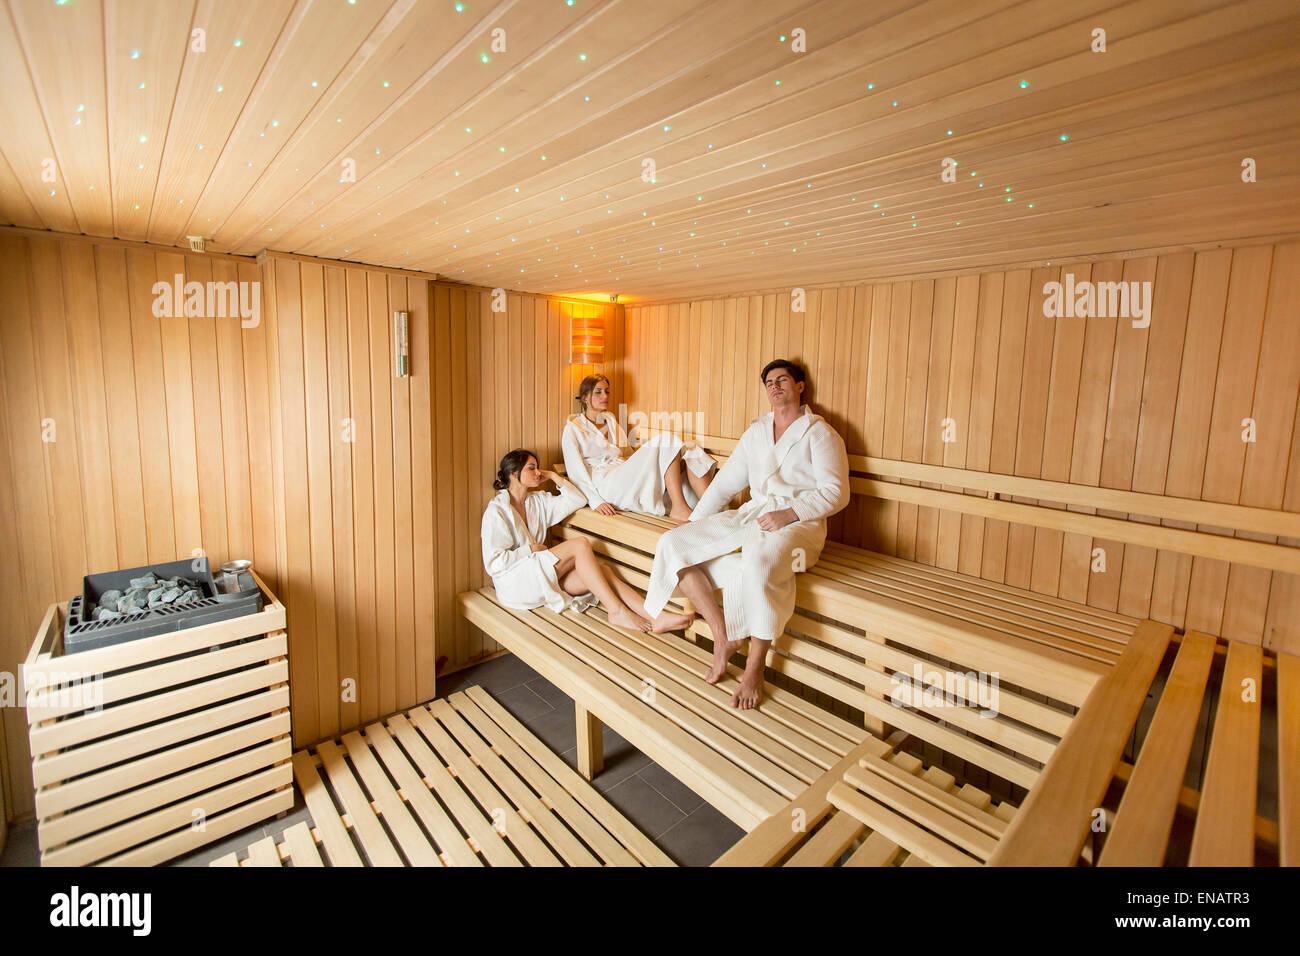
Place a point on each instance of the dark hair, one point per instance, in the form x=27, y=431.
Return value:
x=512, y=464
x=586, y=387
x=794, y=368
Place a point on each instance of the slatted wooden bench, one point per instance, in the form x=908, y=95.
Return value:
x=878, y=807
x=862, y=618
x=932, y=678
x=864, y=624
x=456, y=782
x=1191, y=796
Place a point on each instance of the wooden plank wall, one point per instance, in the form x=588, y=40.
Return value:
x=377, y=535
x=176, y=434
x=125, y=439
x=1090, y=401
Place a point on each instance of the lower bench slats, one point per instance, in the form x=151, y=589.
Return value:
x=1225, y=820
x=883, y=819
x=1053, y=822
x=486, y=790
x=1288, y=759
x=1140, y=833
x=723, y=785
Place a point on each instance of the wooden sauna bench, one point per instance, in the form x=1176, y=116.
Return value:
x=860, y=618
x=454, y=782
x=829, y=714
x=882, y=807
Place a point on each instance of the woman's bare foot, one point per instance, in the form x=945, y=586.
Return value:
x=721, y=654
x=625, y=618
x=667, y=621
x=680, y=514
x=748, y=694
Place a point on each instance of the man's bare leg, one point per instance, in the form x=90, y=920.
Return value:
x=700, y=483
x=750, y=691
x=698, y=588
x=681, y=511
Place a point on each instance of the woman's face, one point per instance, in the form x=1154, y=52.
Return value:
x=530, y=476
x=598, y=399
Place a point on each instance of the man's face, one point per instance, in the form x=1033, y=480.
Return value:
x=782, y=389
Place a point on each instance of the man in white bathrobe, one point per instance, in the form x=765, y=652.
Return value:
x=797, y=472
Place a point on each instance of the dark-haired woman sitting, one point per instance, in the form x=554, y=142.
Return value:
x=527, y=574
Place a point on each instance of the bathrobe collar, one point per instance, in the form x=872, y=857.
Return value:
x=602, y=430
x=516, y=519
x=791, y=436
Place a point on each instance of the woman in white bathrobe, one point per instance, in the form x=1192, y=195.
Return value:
x=527, y=574
x=593, y=446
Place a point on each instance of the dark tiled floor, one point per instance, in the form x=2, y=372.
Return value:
x=688, y=829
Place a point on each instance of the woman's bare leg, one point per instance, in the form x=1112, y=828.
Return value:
x=700, y=483
x=673, y=479
x=590, y=578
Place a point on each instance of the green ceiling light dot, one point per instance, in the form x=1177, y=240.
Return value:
x=972, y=174
x=586, y=99
x=314, y=84
x=143, y=138
x=468, y=130
x=385, y=84
x=458, y=172
x=959, y=222
x=778, y=82
x=1031, y=205
x=140, y=87
x=1007, y=189
x=277, y=123
x=543, y=158
x=949, y=132
x=699, y=199
x=239, y=43
x=875, y=205
x=1064, y=138
x=81, y=107
x=220, y=89
x=516, y=189
x=135, y=54
x=1024, y=84
x=895, y=102
x=582, y=57
x=782, y=37
x=1010, y=198
x=502, y=148
x=460, y=8
x=871, y=86
x=568, y=3
x=667, y=128
x=484, y=58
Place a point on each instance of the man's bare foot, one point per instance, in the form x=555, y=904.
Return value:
x=627, y=619
x=721, y=654
x=667, y=621
x=680, y=514
x=748, y=694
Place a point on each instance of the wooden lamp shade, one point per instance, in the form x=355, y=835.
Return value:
x=586, y=340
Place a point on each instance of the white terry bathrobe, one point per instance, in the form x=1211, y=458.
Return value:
x=525, y=579
x=594, y=461
x=807, y=470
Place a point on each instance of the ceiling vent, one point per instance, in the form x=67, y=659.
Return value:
x=197, y=243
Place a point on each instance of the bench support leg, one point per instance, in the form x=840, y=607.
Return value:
x=591, y=748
